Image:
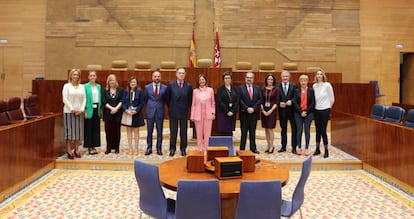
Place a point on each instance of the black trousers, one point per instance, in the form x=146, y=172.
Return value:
x=248, y=124
x=92, y=131
x=183, y=133
x=113, y=134
x=285, y=115
x=321, y=122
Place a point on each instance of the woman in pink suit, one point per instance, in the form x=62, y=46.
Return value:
x=203, y=111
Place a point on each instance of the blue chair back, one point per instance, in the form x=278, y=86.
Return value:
x=289, y=208
x=378, y=111
x=259, y=200
x=394, y=114
x=410, y=118
x=377, y=90
x=152, y=199
x=222, y=141
x=198, y=199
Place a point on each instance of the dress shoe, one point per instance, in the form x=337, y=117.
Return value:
x=183, y=153
x=70, y=156
x=148, y=152
x=159, y=153
x=281, y=150
x=256, y=152
x=172, y=152
x=107, y=151
x=294, y=151
x=116, y=151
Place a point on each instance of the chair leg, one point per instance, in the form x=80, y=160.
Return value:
x=300, y=211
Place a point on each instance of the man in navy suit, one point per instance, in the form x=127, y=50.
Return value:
x=250, y=100
x=153, y=96
x=286, y=111
x=178, y=97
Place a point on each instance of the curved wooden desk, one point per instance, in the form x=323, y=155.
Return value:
x=173, y=170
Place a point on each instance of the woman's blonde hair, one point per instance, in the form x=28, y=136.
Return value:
x=73, y=71
x=324, y=78
x=111, y=77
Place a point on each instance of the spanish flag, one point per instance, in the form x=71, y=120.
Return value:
x=193, y=55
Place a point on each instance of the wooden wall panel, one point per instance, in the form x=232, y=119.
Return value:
x=306, y=32
x=22, y=23
x=383, y=25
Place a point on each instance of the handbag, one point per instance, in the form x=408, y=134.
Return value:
x=126, y=119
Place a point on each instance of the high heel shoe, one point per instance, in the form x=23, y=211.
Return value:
x=267, y=151
x=70, y=156
x=271, y=151
x=78, y=155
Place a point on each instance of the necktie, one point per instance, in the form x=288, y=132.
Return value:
x=285, y=88
x=156, y=90
x=250, y=92
x=180, y=85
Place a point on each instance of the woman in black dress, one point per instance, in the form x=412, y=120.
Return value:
x=269, y=109
x=132, y=103
x=112, y=114
x=228, y=102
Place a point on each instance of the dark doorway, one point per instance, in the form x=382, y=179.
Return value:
x=407, y=78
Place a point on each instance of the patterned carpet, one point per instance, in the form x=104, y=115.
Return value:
x=114, y=194
x=335, y=154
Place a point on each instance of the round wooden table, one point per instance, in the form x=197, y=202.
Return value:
x=173, y=170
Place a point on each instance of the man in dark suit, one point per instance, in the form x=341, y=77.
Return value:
x=153, y=96
x=178, y=97
x=286, y=111
x=250, y=100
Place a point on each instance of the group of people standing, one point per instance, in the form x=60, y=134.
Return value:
x=298, y=105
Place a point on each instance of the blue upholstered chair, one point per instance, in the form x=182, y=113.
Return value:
x=198, y=199
x=152, y=199
x=222, y=141
x=290, y=207
x=394, y=114
x=410, y=118
x=378, y=111
x=259, y=200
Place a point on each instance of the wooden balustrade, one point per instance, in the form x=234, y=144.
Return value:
x=382, y=145
x=28, y=147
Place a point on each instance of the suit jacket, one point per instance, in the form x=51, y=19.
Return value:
x=245, y=101
x=89, y=100
x=310, y=102
x=290, y=94
x=209, y=102
x=223, y=99
x=178, y=100
x=113, y=101
x=154, y=105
